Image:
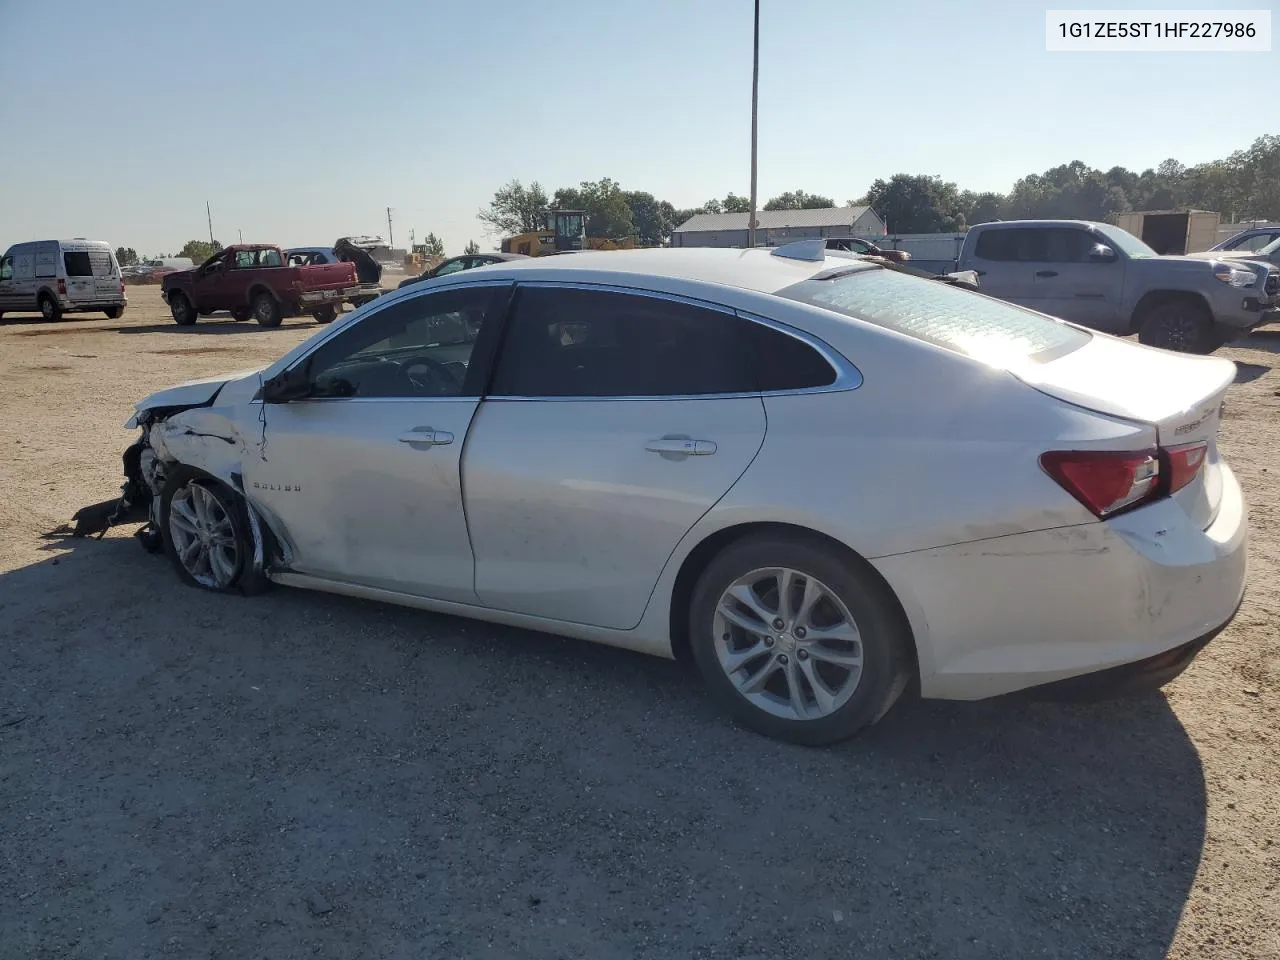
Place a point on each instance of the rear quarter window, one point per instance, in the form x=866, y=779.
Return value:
x=971, y=324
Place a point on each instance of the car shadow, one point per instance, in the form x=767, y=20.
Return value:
x=454, y=785
x=1249, y=372
x=217, y=326
x=1262, y=338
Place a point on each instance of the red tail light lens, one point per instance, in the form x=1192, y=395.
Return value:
x=1182, y=463
x=1105, y=481
x=62, y=288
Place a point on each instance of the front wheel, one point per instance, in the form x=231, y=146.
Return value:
x=1181, y=326
x=204, y=530
x=326, y=314
x=184, y=314
x=266, y=310
x=798, y=641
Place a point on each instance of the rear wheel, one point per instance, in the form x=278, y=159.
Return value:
x=1182, y=325
x=49, y=308
x=326, y=315
x=266, y=310
x=114, y=313
x=797, y=640
x=184, y=314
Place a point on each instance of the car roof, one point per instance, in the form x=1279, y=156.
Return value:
x=757, y=269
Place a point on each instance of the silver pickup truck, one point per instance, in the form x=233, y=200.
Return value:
x=1102, y=277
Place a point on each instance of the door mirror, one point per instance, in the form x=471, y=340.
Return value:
x=289, y=385
x=1101, y=253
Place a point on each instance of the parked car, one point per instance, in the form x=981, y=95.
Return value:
x=741, y=464
x=866, y=248
x=1269, y=253
x=1102, y=277
x=1251, y=240
x=55, y=277
x=467, y=261
x=252, y=280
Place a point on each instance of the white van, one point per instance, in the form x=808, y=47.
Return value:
x=61, y=276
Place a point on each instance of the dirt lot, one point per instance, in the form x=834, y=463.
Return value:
x=297, y=775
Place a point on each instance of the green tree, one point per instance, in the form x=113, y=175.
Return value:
x=515, y=209
x=798, y=200
x=736, y=204
x=651, y=218
x=917, y=203
x=432, y=245
x=199, y=250
x=471, y=249
x=126, y=256
x=605, y=203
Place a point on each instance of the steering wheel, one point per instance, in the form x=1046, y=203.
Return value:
x=430, y=377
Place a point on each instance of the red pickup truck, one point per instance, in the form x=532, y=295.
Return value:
x=254, y=280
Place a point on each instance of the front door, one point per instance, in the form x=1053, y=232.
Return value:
x=8, y=300
x=206, y=287
x=615, y=421
x=364, y=475
x=1070, y=284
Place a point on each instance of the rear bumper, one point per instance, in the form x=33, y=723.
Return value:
x=320, y=298
x=87, y=306
x=1139, y=591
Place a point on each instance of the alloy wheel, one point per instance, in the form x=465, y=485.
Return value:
x=788, y=644
x=204, y=539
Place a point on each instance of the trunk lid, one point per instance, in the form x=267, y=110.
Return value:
x=1180, y=395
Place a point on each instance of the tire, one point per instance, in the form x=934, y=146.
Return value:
x=240, y=314
x=184, y=314
x=847, y=592
x=266, y=310
x=214, y=510
x=49, y=308
x=1182, y=326
x=114, y=313
x=326, y=315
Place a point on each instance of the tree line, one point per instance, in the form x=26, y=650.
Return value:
x=1243, y=186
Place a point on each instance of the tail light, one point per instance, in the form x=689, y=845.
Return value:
x=62, y=288
x=1105, y=481
x=1108, y=482
x=1182, y=463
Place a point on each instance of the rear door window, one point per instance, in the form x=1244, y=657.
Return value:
x=938, y=313
x=77, y=264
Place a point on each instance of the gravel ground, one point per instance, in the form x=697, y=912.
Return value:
x=299, y=775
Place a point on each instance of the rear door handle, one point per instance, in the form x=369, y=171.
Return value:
x=427, y=437
x=1046, y=273
x=677, y=448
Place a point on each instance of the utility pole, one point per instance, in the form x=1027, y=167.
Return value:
x=241, y=232
x=391, y=239
x=209, y=213
x=755, y=85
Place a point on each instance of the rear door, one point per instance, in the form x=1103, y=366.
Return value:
x=615, y=421
x=106, y=274
x=78, y=269
x=1000, y=259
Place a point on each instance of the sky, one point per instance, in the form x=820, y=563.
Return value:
x=300, y=123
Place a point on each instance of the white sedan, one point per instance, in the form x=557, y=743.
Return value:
x=824, y=479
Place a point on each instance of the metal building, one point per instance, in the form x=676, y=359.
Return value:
x=777, y=226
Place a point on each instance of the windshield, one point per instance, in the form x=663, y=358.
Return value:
x=1272, y=248
x=1126, y=242
x=988, y=330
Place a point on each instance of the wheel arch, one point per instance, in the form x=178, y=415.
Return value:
x=257, y=288
x=1153, y=299
x=697, y=560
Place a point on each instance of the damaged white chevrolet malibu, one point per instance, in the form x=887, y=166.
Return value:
x=823, y=478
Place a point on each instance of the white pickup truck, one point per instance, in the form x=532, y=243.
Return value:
x=1102, y=277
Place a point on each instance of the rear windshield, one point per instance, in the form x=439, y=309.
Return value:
x=77, y=264
x=988, y=330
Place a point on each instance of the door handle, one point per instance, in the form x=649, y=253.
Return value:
x=677, y=448
x=426, y=437
x=1046, y=273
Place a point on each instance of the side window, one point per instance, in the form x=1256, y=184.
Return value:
x=6, y=268
x=784, y=362
x=1066, y=245
x=996, y=245
x=419, y=347
x=214, y=265
x=587, y=343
